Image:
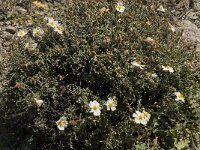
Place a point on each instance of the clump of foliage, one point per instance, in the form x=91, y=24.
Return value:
x=92, y=60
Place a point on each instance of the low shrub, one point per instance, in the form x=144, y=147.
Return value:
x=58, y=89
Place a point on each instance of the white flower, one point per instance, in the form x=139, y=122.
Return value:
x=172, y=28
x=59, y=28
x=179, y=97
x=52, y=23
x=140, y=118
x=62, y=123
x=22, y=33
x=95, y=108
x=38, y=32
x=154, y=75
x=146, y=115
x=161, y=9
x=31, y=45
x=38, y=102
x=137, y=64
x=168, y=68
x=111, y=104
x=120, y=8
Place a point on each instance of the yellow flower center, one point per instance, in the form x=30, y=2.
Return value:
x=37, y=33
x=95, y=107
x=180, y=96
x=21, y=33
x=168, y=67
x=138, y=62
x=120, y=7
x=140, y=117
x=146, y=114
x=61, y=123
x=52, y=23
x=110, y=104
x=59, y=28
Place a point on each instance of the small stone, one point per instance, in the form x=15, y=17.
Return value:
x=198, y=48
x=161, y=9
x=191, y=33
x=6, y=44
x=192, y=15
x=21, y=9
x=7, y=22
x=6, y=35
x=149, y=41
x=2, y=14
x=10, y=29
x=183, y=4
x=197, y=5
x=103, y=10
x=39, y=13
x=1, y=57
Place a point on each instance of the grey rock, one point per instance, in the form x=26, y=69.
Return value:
x=191, y=33
x=10, y=29
x=2, y=14
x=198, y=48
x=183, y=4
x=192, y=15
x=196, y=5
x=7, y=22
x=6, y=44
x=1, y=57
x=6, y=35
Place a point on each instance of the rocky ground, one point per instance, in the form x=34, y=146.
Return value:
x=184, y=13
x=188, y=19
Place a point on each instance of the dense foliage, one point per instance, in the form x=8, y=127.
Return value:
x=93, y=60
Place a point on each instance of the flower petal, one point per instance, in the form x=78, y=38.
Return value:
x=137, y=121
x=113, y=108
x=97, y=112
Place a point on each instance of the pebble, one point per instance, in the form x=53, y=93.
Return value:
x=6, y=44
x=198, y=48
x=6, y=35
x=193, y=15
x=197, y=5
x=191, y=33
x=10, y=29
x=1, y=58
x=2, y=14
